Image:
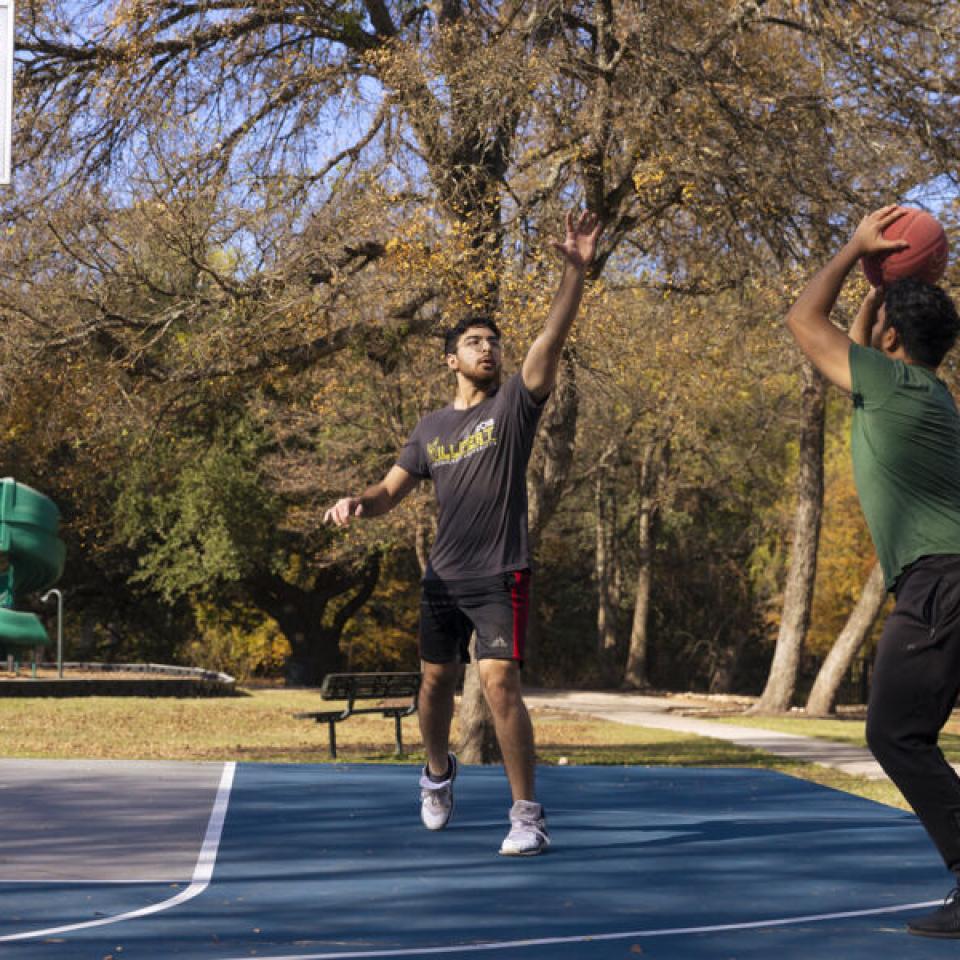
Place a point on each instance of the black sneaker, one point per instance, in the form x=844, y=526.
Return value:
x=944, y=922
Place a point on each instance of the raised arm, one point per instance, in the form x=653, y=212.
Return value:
x=375, y=500
x=543, y=358
x=826, y=345
x=861, y=330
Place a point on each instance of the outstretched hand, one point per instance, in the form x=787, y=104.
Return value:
x=343, y=511
x=579, y=246
x=869, y=233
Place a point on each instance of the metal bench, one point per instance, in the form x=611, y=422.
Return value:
x=367, y=686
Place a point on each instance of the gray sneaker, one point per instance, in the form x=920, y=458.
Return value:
x=436, y=799
x=528, y=831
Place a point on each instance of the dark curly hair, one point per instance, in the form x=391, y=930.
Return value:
x=924, y=317
x=452, y=335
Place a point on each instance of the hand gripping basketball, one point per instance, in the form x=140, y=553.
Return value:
x=922, y=253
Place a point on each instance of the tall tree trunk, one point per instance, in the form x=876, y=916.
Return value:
x=467, y=162
x=823, y=696
x=798, y=592
x=546, y=480
x=423, y=537
x=553, y=454
x=653, y=464
x=477, y=740
x=606, y=562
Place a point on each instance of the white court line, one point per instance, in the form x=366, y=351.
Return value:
x=202, y=872
x=60, y=882
x=591, y=937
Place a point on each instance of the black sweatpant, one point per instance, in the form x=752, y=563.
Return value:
x=916, y=679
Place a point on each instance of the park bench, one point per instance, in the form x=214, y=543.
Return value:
x=386, y=688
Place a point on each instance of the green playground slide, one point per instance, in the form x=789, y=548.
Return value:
x=31, y=558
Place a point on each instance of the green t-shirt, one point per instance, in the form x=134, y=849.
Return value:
x=906, y=459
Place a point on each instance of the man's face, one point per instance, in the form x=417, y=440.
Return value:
x=478, y=354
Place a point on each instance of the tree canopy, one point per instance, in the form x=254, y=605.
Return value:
x=238, y=229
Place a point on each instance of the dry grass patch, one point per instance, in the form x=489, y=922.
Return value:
x=260, y=726
x=837, y=729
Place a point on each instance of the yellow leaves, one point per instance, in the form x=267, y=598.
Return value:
x=449, y=254
x=648, y=175
x=654, y=177
x=380, y=57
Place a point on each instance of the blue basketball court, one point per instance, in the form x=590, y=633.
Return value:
x=223, y=862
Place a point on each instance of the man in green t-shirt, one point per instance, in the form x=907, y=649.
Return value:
x=906, y=460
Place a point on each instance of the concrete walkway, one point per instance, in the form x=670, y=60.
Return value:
x=659, y=712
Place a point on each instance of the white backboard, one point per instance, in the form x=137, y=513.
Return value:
x=6, y=87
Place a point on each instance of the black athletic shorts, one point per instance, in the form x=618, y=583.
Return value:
x=496, y=607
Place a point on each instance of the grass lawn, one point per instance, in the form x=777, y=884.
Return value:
x=259, y=726
x=843, y=731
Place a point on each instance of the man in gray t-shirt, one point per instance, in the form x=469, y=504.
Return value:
x=476, y=452
x=477, y=459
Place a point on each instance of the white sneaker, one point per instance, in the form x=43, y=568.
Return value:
x=528, y=831
x=436, y=799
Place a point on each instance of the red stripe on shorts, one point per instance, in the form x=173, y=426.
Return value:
x=520, y=600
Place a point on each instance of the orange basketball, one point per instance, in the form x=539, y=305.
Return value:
x=925, y=258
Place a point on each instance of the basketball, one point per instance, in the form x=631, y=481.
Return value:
x=925, y=258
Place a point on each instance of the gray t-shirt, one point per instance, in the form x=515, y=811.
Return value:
x=477, y=459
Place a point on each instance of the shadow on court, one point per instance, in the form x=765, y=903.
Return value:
x=330, y=861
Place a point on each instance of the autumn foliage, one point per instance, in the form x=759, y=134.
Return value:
x=237, y=231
